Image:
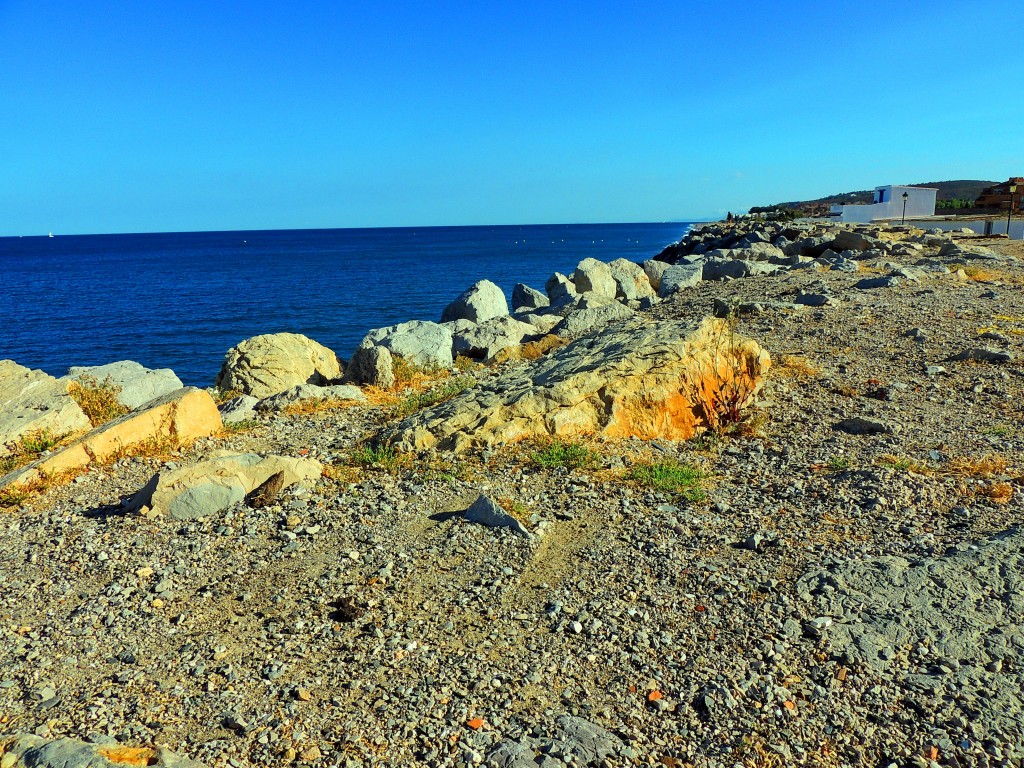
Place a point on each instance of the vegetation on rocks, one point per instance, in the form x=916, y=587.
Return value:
x=670, y=476
x=98, y=399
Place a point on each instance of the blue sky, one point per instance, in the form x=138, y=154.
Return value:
x=156, y=116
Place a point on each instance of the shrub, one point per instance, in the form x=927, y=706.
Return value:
x=98, y=399
x=564, y=454
x=378, y=456
x=670, y=476
x=417, y=401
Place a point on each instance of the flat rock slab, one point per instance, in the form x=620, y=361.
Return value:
x=33, y=400
x=966, y=608
x=138, y=385
x=588, y=742
x=27, y=751
x=176, y=418
x=643, y=379
x=206, y=488
x=306, y=392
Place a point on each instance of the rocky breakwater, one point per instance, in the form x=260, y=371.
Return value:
x=641, y=379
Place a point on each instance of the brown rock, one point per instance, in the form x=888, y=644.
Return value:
x=267, y=491
x=172, y=420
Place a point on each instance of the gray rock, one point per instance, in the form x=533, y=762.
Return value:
x=718, y=268
x=138, y=385
x=584, y=320
x=593, y=276
x=32, y=751
x=815, y=299
x=861, y=426
x=680, y=276
x=525, y=297
x=654, y=269
x=485, y=340
x=560, y=289
x=422, y=343
x=982, y=355
x=631, y=283
x=32, y=401
x=371, y=365
x=761, y=251
x=305, y=392
x=488, y=512
x=209, y=487
x=481, y=301
x=238, y=409
x=854, y=241
x=869, y=283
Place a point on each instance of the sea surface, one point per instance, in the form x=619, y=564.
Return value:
x=181, y=300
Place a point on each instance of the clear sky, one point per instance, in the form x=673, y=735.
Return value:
x=157, y=115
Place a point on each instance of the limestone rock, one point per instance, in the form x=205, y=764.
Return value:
x=525, y=297
x=487, y=339
x=33, y=400
x=644, y=379
x=422, y=343
x=869, y=283
x=28, y=751
x=593, y=276
x=176, y=418
x=481, y=301
x=265, y=365
x=488, y=512
x=587, y=318
x=371, y=365
x=206, y=488
x=304, y=392
x=680, y=276
x=238, y=409
x=541, y=323
x=560, y=289
x=138, y=385
x=854, y=241
x=654, y=270
x=631, y=283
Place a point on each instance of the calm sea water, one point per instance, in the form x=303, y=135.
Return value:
x=180, y=300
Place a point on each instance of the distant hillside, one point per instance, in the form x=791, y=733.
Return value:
x=962, y=189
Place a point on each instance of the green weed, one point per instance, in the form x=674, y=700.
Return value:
x=563, y=454
x=670, y=476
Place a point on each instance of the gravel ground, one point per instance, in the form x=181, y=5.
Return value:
x=363, y=622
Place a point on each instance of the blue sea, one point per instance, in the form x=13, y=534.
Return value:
x=181, y=300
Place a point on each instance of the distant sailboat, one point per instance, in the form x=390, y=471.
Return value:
x=51, y=234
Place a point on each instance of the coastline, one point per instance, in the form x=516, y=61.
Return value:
x=761, y=614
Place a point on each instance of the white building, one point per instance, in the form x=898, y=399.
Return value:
x=888, y=204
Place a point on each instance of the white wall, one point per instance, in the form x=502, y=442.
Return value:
x=920, y=202
x=978, y=225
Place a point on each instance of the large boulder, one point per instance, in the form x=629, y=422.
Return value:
x=585, y=319
x=273, y=362
x=30, y=751
x=420, y=342
x=481, y=301
x=138, y=385
x=641, y=379
x=654, y=269
x=371, y=365
x=560, y=289
x=174, y=419
x=631, y=283
x=525, y=297
x=593, y=276
x=854, y=241
x=484, y=341
x=32, y=401
x=680, y=276
x=211, y=486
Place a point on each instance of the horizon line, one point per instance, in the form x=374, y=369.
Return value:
x=697, y=220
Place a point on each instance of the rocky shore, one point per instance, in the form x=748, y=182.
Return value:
x=751, y=503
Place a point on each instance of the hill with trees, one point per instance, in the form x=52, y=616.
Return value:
x=956, y=194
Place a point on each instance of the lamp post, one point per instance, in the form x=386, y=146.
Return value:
x=904, y=219
x=1009, y=213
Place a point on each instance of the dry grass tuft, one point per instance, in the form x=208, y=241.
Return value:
x=794, y=367
x=982, y=275
x=998, y=493
x=986, y=466
x=98, y=399
x=317, y=405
